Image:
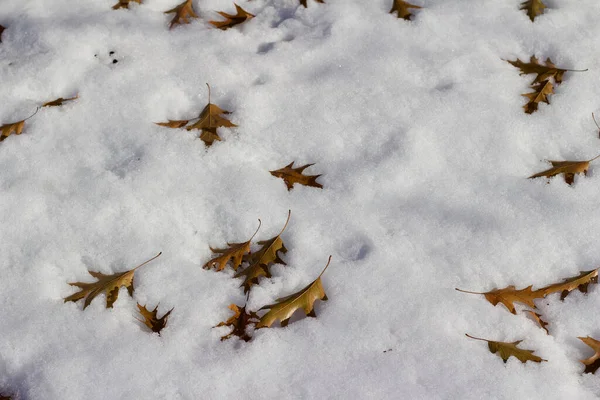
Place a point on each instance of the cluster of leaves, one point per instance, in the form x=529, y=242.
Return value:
x=17, y=127
x=547, y=76
x=250, y=267
x=110, y=286
x=509, y=295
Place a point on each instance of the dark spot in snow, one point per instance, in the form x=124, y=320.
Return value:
x=111, y=53
x=115, y=61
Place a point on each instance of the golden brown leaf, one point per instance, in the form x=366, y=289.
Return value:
x=209, y=120
x=233, y=254
x=292, y=175
x=109, y=284
x=506, y=349
x=286, y=306
x=533, y=8
x=58, y=102
x=538, y=319
x=151, y=319
x=580, y=282
x=8, y=129
x=540, y=94
x=402, y=8
x=173, y=124
x=568, y=168
x=125, y=4
x=184, y=13
x=239, y=322
x=543, y=72
x=592, y=363
x=509, y=295
x=303, y=2
x=232, y=20
x=261, y=260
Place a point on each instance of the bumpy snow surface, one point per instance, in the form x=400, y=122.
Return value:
x=418, y=131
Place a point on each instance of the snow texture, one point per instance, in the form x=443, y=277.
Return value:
x=418, y=129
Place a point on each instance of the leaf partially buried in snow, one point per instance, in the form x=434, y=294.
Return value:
x=509, y=295
x=108, y=284
x=151, y=319
x=239, y=322
x=59, y=102
x=538, y=320
x=580, y=282
x=233, y=254
x=533, y=8
x=593, y=363
x=540, y=94
x=568, y=168
x=184, y=13
x=286, y=306
x=232, y=20
x=507, y=349
x=402, y=8
x=125, y=4
x=291, y=175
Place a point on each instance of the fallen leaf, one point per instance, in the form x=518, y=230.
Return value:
x=303, y=2
x=506, y=349
x=261, y=260
x=580, y=282
x=568, y=168
x=305, y=299
x=509, y=295
x=184, y=13
x=232, y=20
x=125, y=4
x=533, y=8
x=292, y=175
x=173, y=124
x=543, y=72
x=109, y=284
x=58, y=102
x=402, y=8
x=209, y=120
x=151, y=319
x=233, y=254
x=239, y=322
x=8, y=129
x=538, y=319
x=540, y=94
x=592, y=363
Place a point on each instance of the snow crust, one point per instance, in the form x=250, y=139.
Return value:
x=418, y=130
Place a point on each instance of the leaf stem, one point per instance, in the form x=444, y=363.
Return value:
x=466, y=291
x=594, y=158
x=36, y=111
x=576, y=70
x=208, y=93
x=286, y=222
x=259, y=224
x=147, y=261
x=322, y=272
x=476, y=338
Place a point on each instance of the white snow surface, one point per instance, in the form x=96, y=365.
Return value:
x=418, y=131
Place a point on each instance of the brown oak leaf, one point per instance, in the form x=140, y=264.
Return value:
x=303, y=299
x=233, y=254
x=402, y=8
x=109, y=284
x=533, y=8
x=125, y=4
x=8, y=129
x=151, y=319
x=232, y=20
x=538, y=319
x=543, y=72
x=580, y=282
x=593, y=363
x=241, y=320
x=59, y=102
x=540, y=94
x=184, y=13
x=568, y=168
x=291, y=175
x=507, y=349
x=509, y=295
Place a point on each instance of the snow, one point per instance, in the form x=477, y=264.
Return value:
x=418, y=130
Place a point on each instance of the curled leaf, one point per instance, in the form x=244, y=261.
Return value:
x=593, y=363
x=239, y=323
x=7, y=129
x=151, y=319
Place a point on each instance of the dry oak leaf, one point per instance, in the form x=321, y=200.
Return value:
x=261, y=260
x=286, y=306
x=109, y=284
x=540, y=94
x=543, y=72
x=538, y=320
x=233, y=254
x=509, y=295
x=125, y=4
x=184, y=13
x=534, y=8
x=174, y=124
x=568, y=168
x=59, y=102
x=580, y=282
x=303, y=2
x=402, y=8
x=291, y=175
x=506, y=349
x=232, y=20
x=592, y=363
x=239, y=322
x=8, y=129
x=151, y=319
